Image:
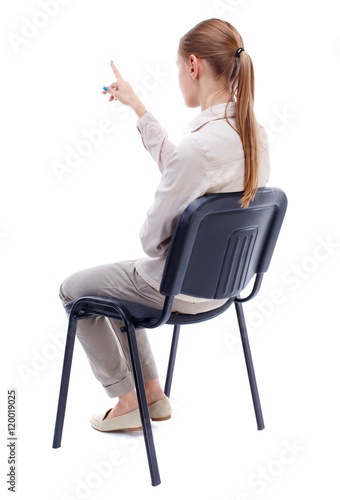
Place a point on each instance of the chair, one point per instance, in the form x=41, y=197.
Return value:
x=218, y=248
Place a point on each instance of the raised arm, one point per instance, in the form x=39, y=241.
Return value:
x=154, y=137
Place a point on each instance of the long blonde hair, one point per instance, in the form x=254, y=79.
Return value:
x=218, y=42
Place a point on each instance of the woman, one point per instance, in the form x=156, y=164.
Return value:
x=223, y=150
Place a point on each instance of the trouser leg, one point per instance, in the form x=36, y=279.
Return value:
x=106, y=347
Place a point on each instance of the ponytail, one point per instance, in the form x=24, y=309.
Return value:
x=242, y=91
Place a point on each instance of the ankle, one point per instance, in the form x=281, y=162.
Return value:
x=128, y=402
x=154, y=391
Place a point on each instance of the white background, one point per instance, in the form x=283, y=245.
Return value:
x=53, y=68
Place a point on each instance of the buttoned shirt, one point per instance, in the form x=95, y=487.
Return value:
x=209, y=159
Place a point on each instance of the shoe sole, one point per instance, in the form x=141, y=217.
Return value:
x=161, y=419
x=129, y=429
x=132, y=429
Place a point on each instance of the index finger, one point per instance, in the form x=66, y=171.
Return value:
x=116, y=72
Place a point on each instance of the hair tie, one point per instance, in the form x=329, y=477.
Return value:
x=238, y=52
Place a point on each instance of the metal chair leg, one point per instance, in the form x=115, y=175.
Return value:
x=250, y=366
x=64, y=384
x=143, y=404
x=172, y=359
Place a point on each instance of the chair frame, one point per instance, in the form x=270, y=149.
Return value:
x=89, y=306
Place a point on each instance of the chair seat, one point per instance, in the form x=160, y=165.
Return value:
x=139, y=312
x=145, y=316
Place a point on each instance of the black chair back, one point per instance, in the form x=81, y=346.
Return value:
x=218, y=246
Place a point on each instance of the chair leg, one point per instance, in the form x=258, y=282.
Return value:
x=250, y=366
x=143, y=404
x=172, y=359
x=64, y=384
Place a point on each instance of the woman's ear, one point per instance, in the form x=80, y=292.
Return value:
x=194, y=67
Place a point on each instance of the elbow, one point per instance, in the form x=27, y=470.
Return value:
x=155, y=250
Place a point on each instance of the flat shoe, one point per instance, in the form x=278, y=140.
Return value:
x=160, y=410
x=129, y=422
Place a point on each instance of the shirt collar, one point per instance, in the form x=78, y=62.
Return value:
x=214, y=113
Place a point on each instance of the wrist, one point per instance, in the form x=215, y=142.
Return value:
x=139, y=109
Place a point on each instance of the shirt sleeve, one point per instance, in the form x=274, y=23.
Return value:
x=184, y=179
x=155, y=139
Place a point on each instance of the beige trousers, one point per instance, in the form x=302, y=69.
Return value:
x=105, y=346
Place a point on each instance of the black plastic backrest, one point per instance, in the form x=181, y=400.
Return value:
x=218, y=246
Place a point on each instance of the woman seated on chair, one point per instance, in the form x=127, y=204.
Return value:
x=223, y=150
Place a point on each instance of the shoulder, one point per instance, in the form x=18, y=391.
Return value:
x=189, y=153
